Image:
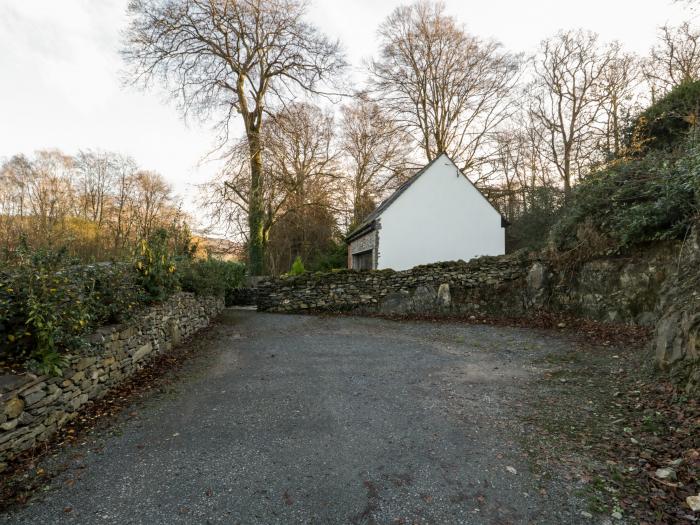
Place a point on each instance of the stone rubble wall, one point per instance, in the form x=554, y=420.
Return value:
x=657, y=285
x=614, y=289
x=474, y=286
x=33, y=408
x=617, y=289
x=677, y=334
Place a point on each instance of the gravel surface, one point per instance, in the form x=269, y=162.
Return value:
x=302, y=419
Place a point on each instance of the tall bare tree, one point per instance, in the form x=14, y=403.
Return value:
x=375, y=150
x=152, y=195
x=620, y=94
x=15, y=176
x=51, y=195
x=303, y=161
x=302, y=155
x=123, y=201
x=96, y=176
x=234, y=58
x=449, y=89
x=301, y=183
x=675, y=58
x=567, y=100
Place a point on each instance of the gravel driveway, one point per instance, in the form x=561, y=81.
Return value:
x=302, y=419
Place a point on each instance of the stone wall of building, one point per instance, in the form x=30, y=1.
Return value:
x=367, y=242
x=33, y=408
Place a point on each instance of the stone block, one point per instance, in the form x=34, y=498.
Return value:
x=13, y=407
x=33, y=397
x=127, y=333
x=142, y=352
x=25, y=418
x=50, y=398
x=9, y=425
x=10, y=437
x=444, y=298
x=78, y=401
x=85, y=362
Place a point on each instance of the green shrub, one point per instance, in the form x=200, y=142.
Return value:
x=42, y=309
x=211, y=277
x=335, y=257
x=113, y=292
x=49, y=302
x=667, y=123
x=636, y=200
x=155, y=265
x=297, y=267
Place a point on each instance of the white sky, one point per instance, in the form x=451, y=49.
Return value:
x=60, y=69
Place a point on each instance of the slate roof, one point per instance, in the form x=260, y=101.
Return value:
x=370, y=221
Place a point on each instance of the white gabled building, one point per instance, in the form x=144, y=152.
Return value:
x=437, y=215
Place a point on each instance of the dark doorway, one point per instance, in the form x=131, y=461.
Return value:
x=363, y=260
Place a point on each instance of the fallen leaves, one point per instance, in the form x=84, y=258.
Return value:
x=18, y=485
x=584, y=330
x=636, y=437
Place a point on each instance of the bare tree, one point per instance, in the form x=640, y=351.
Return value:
x=619, y=88
x=51, y=195
x=674, y=60
x=235, y=58
x=376, y=152
x=449, y=89
x=152, y=195
x=567, y=100
x=15, y=176
x=302, y=157
x=96, y=176
x=303, y=161
x=301, y=177
x=510, y=164
x=123, y=201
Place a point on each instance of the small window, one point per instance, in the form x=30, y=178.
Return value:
x=363, y=260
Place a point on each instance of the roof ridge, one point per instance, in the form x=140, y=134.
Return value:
x=399, y=191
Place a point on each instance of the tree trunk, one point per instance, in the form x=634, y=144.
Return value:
x=566, y=175
x=256, y=213
x=567, y=188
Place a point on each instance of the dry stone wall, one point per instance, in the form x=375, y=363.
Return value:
x=33, y=408
x=656, y=286
x=624, y=288
x=677, y=334
x=474, y=286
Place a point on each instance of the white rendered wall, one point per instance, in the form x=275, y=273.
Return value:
x=440, y=217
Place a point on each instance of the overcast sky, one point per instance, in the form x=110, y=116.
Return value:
x=60, y=69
